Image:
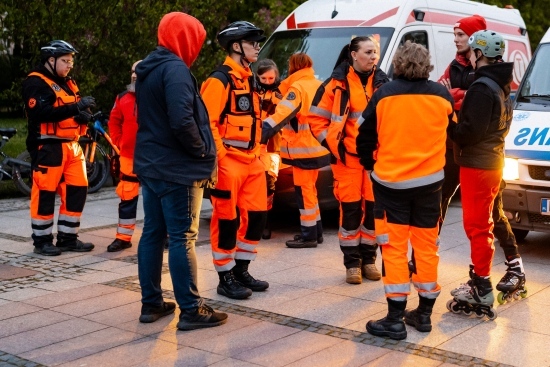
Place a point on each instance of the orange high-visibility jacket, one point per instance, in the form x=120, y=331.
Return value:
x=403, y=131
x=337, y=105
x=234, y=111
x=298, y=147
x=68, y=128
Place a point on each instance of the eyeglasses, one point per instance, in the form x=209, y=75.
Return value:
x=253, y=44
x=68, y=62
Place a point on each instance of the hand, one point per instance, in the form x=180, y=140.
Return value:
x=83, y=117
x=446, y=83
x=86, y=102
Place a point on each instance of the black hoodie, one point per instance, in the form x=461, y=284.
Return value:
x=484, y=120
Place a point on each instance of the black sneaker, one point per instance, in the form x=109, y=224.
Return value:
x=320, y=239
x=118, y=245
x=202, y=317
x=152, y=314
x=249, y=282
x=75, y=245
x=47, y=249
x=230, y=287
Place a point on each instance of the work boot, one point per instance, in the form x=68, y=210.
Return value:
x=240, y=271
x=371, y=272
x=392, y=325
x=152, y=313
x=47, y=249
x=72, y=243
x=201, y=317
x=320, y=239
x=353, y=276
x=231, y=288
x=118, y=245
x=266, y=234
x=420, y=317
x=301, y=243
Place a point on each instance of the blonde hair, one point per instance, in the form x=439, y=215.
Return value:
x=412, y=61
x=299, y=61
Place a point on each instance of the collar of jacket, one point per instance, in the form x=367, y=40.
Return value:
x=237, y=69
x=462, y=60
x=306, y=73
x=341, y=71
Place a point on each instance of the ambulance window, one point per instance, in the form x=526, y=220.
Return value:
x=419, y=37
x=535, y=87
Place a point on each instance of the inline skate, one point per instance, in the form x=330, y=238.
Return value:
x=476, y=297
x=512, y=285
x=466, y=285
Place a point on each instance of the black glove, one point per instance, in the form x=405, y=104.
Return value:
x=85, y=102
x=83, y=117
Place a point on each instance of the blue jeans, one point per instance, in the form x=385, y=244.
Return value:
x=174, y=209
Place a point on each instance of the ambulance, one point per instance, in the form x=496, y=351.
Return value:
x=526, y=199
x=321, y=28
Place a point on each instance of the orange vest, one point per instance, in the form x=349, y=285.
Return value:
x=68, y=128
x=334, y=117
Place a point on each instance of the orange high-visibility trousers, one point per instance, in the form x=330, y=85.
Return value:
x=239, y=211
x=128, y=192
x=403, y=216
x=306, y=198
x=57, y=168
x=353, y=190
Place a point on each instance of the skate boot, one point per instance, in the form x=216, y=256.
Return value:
x=512, y=285
x=464, y=286
x=392, y=325
x=478, y=299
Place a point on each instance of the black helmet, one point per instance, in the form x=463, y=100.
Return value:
x=238, y=31
x=57, y=48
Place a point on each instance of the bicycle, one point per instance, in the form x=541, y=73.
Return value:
x=18, y=169
x=98, y=162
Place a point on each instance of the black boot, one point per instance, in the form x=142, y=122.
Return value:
x=230, y=287
x=243, y=276
x=47, y=249
x=420, y=317
x=266, y=234
x=392, y=325
x=118, y=245
x=70, y=242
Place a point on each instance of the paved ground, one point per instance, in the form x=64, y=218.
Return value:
x=82, y=309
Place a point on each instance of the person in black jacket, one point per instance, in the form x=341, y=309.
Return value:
x=175, y=158
x=484, y=121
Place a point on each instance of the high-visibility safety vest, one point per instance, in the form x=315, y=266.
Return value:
x=298, y=147
x=68, y=128
x=233, y=109
x=338, y=104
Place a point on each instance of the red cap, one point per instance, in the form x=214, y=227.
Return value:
x=471, y=25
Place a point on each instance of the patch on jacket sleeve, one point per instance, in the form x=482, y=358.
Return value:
x=291, y=96
x=32, y=103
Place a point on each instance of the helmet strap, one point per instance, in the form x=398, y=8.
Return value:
x=243, y=57
x=53, y=68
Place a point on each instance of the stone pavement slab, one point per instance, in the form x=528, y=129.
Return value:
x=82, y=309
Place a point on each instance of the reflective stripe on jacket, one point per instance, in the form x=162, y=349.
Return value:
x=299, y=147
x=235, y=129
x=67, y=128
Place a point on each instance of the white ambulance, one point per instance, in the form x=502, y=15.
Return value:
x=321, y=28
x=527, y=164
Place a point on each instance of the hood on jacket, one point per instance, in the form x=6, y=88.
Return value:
x=183, y=35
x=500, y=72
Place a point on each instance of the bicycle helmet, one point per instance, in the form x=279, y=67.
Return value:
x=238, y=31
x=490, y=43
x=57, y=48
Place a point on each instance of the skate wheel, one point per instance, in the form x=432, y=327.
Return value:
x=492, y=314
x=450, y=304
x=500, y=298
x=479, y=313
x=523, y=294
x=516, y=296
x=467, y=312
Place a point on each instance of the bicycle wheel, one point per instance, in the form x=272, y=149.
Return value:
x=98, y=171
x=22, y=174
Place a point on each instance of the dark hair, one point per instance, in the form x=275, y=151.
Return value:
x=412, y=61
x=299, y=61
x=345, y=54
x=264, y=65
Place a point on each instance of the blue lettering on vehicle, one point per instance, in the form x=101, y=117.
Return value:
x=539, y=136
x=521, y=138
